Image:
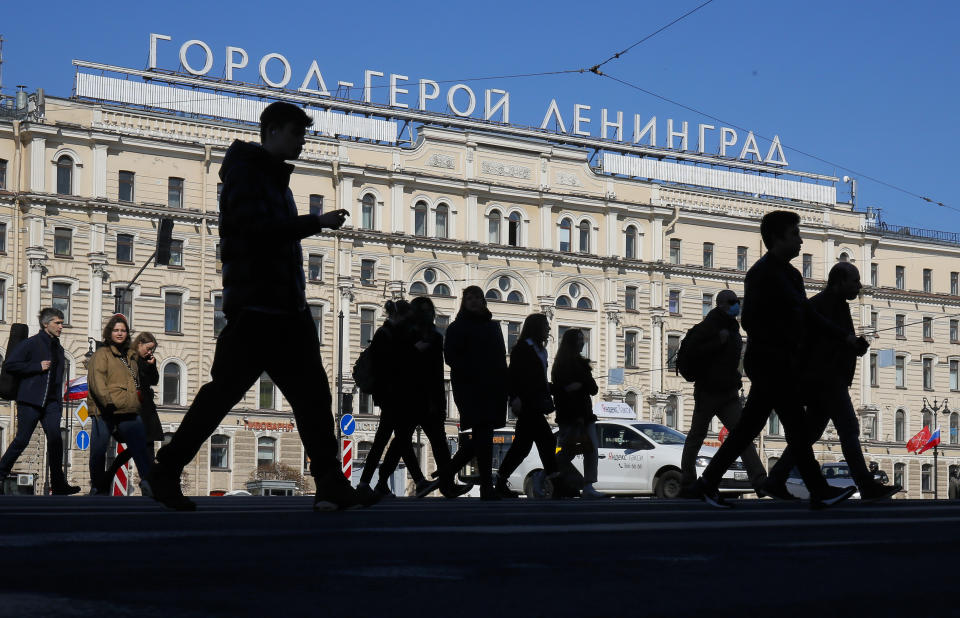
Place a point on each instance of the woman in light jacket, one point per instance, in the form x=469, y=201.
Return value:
x=114, y=404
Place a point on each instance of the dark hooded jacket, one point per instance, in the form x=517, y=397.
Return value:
x=575, y=405
x=260, y=233
x=477, y=357
x=830, y=362
x=719, y=362
x=37, y=387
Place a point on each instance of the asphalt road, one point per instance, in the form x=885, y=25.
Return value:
x=83, y=556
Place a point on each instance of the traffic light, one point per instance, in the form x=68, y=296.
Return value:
x=164, y=240
x=347, y=402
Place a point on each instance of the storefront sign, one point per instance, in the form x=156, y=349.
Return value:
x=267, y=426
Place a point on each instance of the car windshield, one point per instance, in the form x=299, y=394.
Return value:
x=661, y=434
x=836, y=472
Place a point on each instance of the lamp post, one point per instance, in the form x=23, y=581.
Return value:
x=933, y=409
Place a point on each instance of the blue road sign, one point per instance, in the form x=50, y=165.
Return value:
x=83, y=440
x=347, y=424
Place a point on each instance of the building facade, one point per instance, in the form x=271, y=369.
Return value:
x=537, y=223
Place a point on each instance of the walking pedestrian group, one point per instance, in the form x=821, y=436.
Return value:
x=800, y=358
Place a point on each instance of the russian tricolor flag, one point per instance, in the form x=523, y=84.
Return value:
x=932, y=442
x=77, y=389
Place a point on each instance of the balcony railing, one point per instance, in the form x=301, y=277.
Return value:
x=903, y=231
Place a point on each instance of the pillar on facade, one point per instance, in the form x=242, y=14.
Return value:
x=657, y=404
x=38, y=164
x=612, y=312
x=657, y=364
x=95, y=314
x=36, y=268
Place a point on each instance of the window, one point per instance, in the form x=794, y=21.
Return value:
x=874, y=377
x=219, y=318
x=900, y=277
x=926, y=477
x=367, y=271
x=61, y=299
x=440, y=220
x=670, y=412
x=125, y=192
x=927, y=374
x=367, y=326
x=365, y=403
x=3, y=173
x=316, y=204
x=172, y=308
x=363, y=451
x=495, y=295
x=954, y=428
x=175, y=192
x=584, y=228
x=874, y=275
x=266, y=452
x=673, y=345
x=954, y=331
x=513, y=229
x=512, y=297
x=630, y=349
x=899, y=476
x=125, y=248
x=900, y=426
x=3, y=237
x=928, y=419
x=316, y=312
x=513, y=334
x=927, y=280
x=927, y=329
x=901, y=329
x=585, y=350
x=266, y=399
x=708, y=255
x=773, y=427
x=418, y=288
x=901, y=369
x=874, y=320
x=954, y=375
x=65, y=175
x=955, y=284
x=630, y=238
x=566, y=232
x=441, y=289
x=315, y=267
x=420, y=219
x=807, y=266
x=493, y=227
x=62, y=242
x=171, y=384
x=707, y=303
x=741, y=258
x=219, y=260
x=584, y=303
x=176, y=253
x=631, y=400
x=630, y=298
x=367, y=211
x=123, y=302
x=563, y=301
x=219, y=452
x=674, y=250
x=674, y=302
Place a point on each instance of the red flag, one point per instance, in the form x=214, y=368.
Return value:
x=724, y=432
x=918, y=440
x=932, y=442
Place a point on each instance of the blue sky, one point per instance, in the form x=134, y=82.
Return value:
x=870, y=86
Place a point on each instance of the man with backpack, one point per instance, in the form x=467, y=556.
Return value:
x=709, y=356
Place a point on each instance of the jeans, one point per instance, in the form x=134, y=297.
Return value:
x=531, y=429
x=287, y=348
x=27, y=418
x=726, y=407
x=131, y=432
x=584, y=435
x=823, y=405
x=765, y=395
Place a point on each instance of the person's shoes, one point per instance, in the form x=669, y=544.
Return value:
x=424, y=487
x=145, y=489
x=831, y=496
x=488, y=492
x=383, y=492
x=503, y=490
x=874, y=491
x=334, y=493
x=772, y=489
x=589, y=493
x=367, y=496
x=454, y=490
x=166, y=490
x=710, y=495
x=65, y=490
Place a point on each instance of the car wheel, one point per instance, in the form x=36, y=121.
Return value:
x=537, y=487
x=669, y=484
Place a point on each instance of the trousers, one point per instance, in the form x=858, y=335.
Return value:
x=27, y=418
x=531, y=429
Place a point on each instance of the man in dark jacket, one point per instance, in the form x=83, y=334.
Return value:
x=39, y=363
x=269, y=326
x=827, y=377
x=778, y=318
x=716, y=344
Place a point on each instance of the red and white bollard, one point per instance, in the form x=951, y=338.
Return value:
x=120, y=479
x=347, y=458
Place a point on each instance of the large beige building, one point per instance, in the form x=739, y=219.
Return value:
x=538, y=223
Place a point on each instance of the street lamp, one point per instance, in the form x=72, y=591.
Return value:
x=933, y=409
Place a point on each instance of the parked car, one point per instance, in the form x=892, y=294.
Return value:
x=837, y=475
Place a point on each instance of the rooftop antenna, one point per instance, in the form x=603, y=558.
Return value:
x=1, y=63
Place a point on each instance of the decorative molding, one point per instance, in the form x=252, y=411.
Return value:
x=569, y=180
x=497, y=168
x=441, y=160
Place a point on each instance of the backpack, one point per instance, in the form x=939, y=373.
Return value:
x=363, y=374
x=9, y=383
x=689, y=361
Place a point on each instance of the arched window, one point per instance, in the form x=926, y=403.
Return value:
x=418, y=289
x=630, y=238
x=584, y=303
x=266, y=452
x=900, y=426
x=493, y=227
x=631, y=400
x=563, y=301
x=566, y=230
x=267, y=399
x=65, y=175
x=367, y=206
x=954, y=428
x=926, y=477
x=171, y=384
x=441, y=289
x=441, y=220
x=420, y=219
x=670, y=412
x=493, y=294
x=584, y=236
x=513, y=229
x=515, y=297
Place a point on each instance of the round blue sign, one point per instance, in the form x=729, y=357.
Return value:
x=347, y=424
x=83, y=440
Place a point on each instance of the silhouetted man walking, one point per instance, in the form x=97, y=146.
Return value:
x=778, y=317
x=269, y=326
x=827, y=377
